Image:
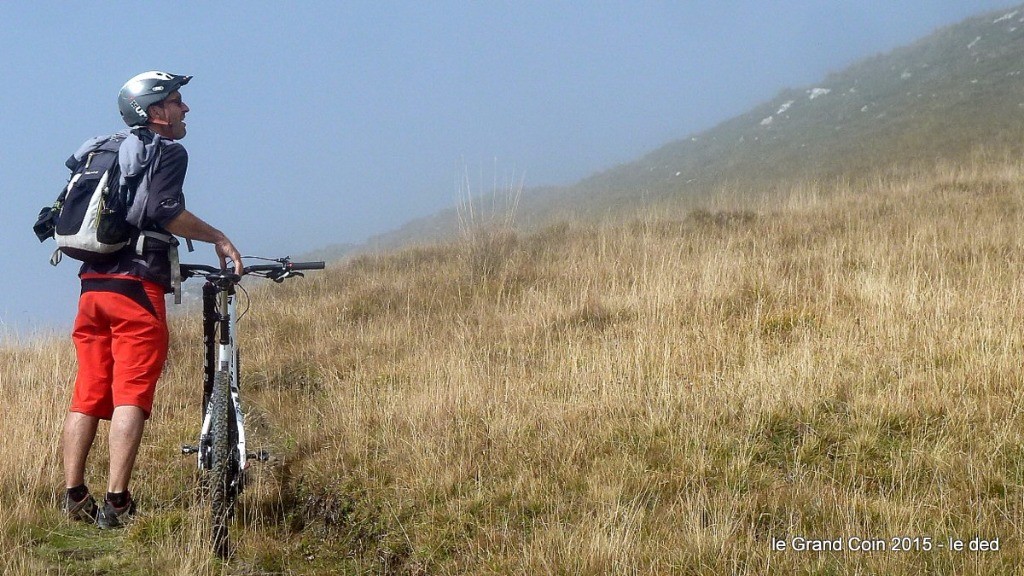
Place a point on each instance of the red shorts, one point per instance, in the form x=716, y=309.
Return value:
x=121, y=342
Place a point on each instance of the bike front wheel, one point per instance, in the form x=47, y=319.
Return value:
x=224, y=468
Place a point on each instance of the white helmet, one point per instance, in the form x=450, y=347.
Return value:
x=144, y=90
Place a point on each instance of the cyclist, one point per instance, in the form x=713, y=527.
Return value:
x=120, y=332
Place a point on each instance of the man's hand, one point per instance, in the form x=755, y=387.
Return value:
x=227, y=251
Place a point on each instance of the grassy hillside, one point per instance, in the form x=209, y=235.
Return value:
x=957, y=92
x=665, y=395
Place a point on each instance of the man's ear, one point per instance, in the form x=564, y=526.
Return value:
x=156, y=114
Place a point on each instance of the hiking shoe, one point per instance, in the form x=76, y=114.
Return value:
x=84, y=509
x=111, y=516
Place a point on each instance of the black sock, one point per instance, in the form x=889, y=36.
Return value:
x=118, y=499
x=78, y=492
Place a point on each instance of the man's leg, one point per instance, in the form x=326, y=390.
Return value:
x=139, y=347
x=79, y=432
x=125, y=436
x=91, y=399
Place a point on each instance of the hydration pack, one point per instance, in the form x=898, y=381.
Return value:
x=89, y=218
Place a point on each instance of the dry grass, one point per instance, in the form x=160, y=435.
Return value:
x=660, y=396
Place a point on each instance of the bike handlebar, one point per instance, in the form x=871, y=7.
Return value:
x=285, y=266
x=281, y=269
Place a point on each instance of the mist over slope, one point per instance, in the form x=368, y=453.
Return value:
x=955, y=92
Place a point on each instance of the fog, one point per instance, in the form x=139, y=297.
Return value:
x=318, y=123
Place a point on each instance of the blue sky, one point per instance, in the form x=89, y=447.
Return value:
x=316, y=123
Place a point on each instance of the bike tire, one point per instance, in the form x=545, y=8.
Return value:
x=223, y=469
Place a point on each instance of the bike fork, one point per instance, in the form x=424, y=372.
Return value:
x=219, y=339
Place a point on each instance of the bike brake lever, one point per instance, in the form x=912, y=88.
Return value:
x=286, y=274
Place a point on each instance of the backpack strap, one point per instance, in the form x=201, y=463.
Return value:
x=143, y=234
x=172, y=255
x=139, y=156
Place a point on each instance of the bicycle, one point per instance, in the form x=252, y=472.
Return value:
x=221, y=450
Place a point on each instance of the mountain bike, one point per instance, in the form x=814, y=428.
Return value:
x=222, y=453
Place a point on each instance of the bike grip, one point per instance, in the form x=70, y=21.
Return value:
x=307, y=266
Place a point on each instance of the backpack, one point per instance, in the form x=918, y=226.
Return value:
x=89, y=218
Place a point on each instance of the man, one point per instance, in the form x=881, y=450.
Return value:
x=120, y=332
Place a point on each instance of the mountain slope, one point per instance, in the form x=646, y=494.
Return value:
x=957, y=89
x=952, y=93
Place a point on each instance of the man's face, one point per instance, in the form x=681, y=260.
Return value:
x=169, y=113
